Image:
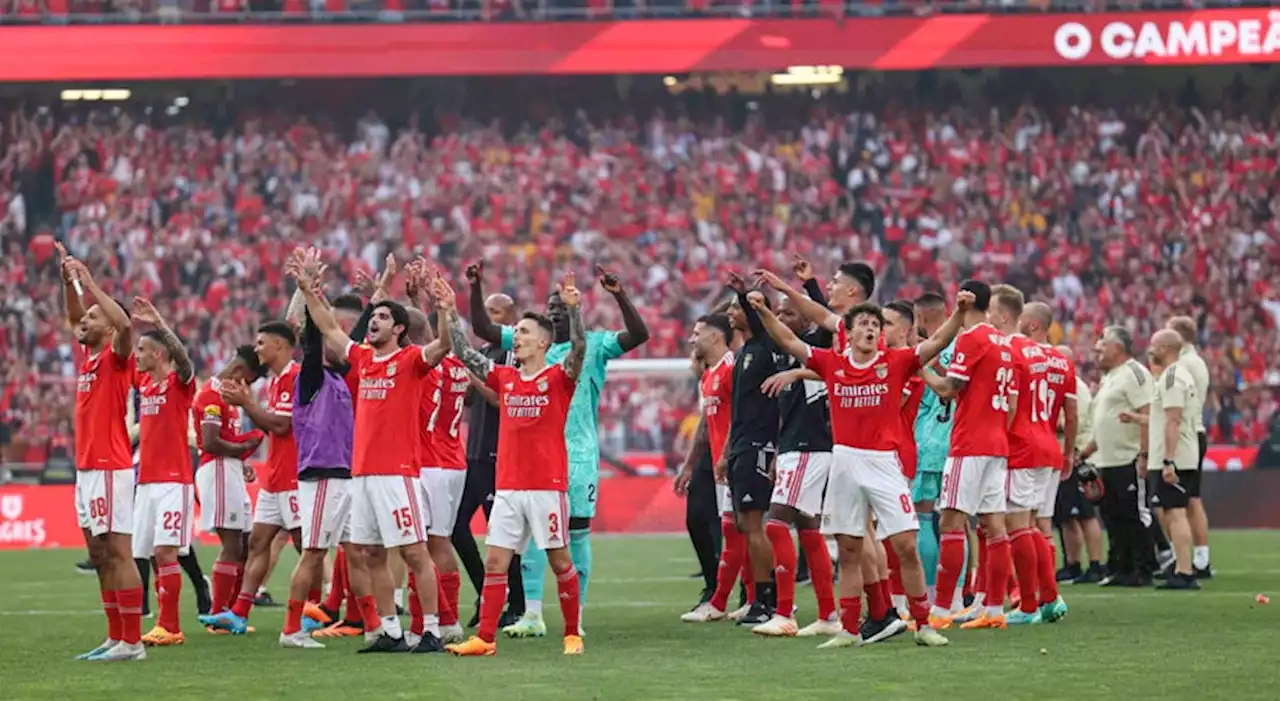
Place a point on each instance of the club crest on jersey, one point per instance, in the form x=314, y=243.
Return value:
x=391, y=369
x=715, y=384
x=882, y=371
x=542, y=385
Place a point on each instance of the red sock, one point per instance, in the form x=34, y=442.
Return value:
x=785, y=562
x=984, y=564
x=821, y=573
x=338, y=590
x=745, y=573
x=224, y=582
x=169, y=580
x=1046, y=577
x=417, y=620
x=950, y=565
x=293, y=617
x=877, y=602
x=112, y=609
x=851, y=614
x=492, y=598
x=1025, y=562
x=919, y=608
x=570, y=599
x=243, y=605
x=235, y=590
x=895, y=570
x=731, y=558
x=314, y=594
x=130, y=603
x=998, y=574
x=353, y=612
x=368, y=609
x=449, y=583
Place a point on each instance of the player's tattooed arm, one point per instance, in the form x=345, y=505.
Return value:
x=74, y=302
x=145, y=313
x=931, y=347
x=636, y=332
x=472, y=358
x=785, y=339
x=309, y=262
x=942, y=385
x=122, y=340
x=572, y=298
x=483, y=328
x=814, y=311
x=479, y=387
x=335, y=339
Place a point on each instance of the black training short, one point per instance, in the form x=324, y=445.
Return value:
x=701, y=503
x=749, y=481
x=1071, y=502
x=1173, y=496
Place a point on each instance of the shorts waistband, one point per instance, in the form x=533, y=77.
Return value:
x=863, y=452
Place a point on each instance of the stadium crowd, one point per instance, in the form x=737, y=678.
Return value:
x=1114, y=215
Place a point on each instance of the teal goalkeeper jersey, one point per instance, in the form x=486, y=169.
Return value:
x=933, y=424
x=580, y=436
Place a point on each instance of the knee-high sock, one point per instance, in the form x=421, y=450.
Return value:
x=998, y=574
x=112, y=608
x=224, y=578
x=449, y=585
x=338, y=590
x=1046, y=577
x=567, y=585
x=784, y=565
x=927, y=543
x=731, y=559
x=417, y=619
x=950, y=567
x=580, y=551
x=168, y=589
x=1025, y=567
x=492, y=598
x=821, y=573
x=533, y=571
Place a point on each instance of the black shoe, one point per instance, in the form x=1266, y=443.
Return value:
x=1070, y=573
x=428, y=644
x=399, y=610
x=386, y=643
x=508, y=618
x=696, y=575
x=757, y=614
x=264, y=599
x=475, y=617
x=1165, y=573
x=1179, y=581
x=803, y=579
x=742, y=595
x=1093, y=575
x=967, y=600
x=1141, y=580
x=204, y=602
x=86, y=567
x=883, y=629
x=1117, y=580
x=1205, y=572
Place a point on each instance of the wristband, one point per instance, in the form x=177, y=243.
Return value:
x=1170, y=463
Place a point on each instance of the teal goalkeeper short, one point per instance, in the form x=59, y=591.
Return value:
x=927, y=486
x=584, y=487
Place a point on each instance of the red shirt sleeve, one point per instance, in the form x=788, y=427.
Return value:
x=821, y=361
x=969, y=350
x=495, y=377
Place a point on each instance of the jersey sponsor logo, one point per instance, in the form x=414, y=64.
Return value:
x=526, y=406
x=149, y=404
x=375, y=388
x=84, y=383
x=859, y=396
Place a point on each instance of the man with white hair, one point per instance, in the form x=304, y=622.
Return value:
x=1191, y=361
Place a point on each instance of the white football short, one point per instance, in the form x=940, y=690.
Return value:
x=974, y=484
x=1049, y=499
x=725, y=499
x=278, y=509
x=326, y=512
x=104, y=501
x=801, y=481
x=1027, y=487
x=519, y=515
x=162, y=517
x=223, y=496
x=387, y=510
x=442, y=493
x=863, y=484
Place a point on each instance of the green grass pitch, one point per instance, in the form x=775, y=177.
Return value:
x=1218, y=643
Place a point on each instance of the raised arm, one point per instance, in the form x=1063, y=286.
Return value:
x=572, y=298
x=472, y=358
x=480, y=323
x=145, y=313
x=70, y=295
x=781, y=335
x=335, y=339
x=938, y=342
x=808, y=308
x=635, y=332
x=122, y=340
x=446, y=306
x=309, y=262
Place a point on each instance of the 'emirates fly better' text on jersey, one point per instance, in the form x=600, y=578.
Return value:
x=715, y=394
x=866, y=397
x=164, y=416
x=387, y=432
x=984, y=361
x=102, y=396
x=531, y=416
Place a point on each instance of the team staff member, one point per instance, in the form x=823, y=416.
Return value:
x=1173, y=443
x=1075, y=516
x=1191, y=361
x=1118, y=450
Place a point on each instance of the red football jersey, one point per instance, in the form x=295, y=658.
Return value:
x=282, y=450
x=1060, y=380
x=912, y=394
x=984, y=360
x=715, y=392
x=443, y=397
x=208, y=408
x=531, y=416
x=1028, y=432
x=388, y=430
x=164, y=415
x=866, y=399
x=102, y=401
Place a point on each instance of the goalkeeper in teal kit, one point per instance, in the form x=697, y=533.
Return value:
x=581, y=437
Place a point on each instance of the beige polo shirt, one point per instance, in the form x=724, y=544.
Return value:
x=1126, y=388
x=1196, y=368
x=1175, y=388
x=1084, y=414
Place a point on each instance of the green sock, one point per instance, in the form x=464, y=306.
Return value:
x=927, y=542
x=533, y=571
x=580, y=551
